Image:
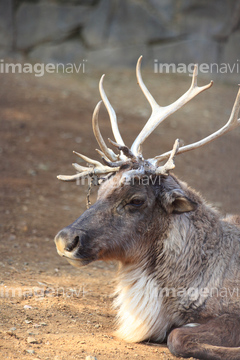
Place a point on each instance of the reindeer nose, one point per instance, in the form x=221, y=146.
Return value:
x=66, y=241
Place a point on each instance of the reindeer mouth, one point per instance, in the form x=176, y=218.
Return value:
x=75, y=261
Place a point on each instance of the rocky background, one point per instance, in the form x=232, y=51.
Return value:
x=113, y=33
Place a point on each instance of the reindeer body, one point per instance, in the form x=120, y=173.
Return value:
x=179, y=261
x=190, y=275
x=177, y=264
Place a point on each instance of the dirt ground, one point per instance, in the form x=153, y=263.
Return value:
x=49, y=309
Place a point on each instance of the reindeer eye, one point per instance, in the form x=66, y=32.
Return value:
x=136, y=202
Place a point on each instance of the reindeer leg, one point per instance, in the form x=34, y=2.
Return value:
x=217, y=339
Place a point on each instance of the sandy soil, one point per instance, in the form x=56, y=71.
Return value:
x=50, y=310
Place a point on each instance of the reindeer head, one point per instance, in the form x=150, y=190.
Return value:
x=137, y=197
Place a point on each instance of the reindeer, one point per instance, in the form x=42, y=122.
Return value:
x=179, y=260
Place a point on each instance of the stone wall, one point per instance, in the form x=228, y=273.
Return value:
x=115, y=32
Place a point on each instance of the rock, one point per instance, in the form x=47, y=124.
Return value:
x=203, y=18
x=27, y=307
x=10, y=332
x=31, y=333
x=107, y=33
x=121, y=22
x=164, y=9
x=37, y=23
x=32, y=340
x=96, y=28
x=30, y=351
x=127, y=27
x=43, y=324
x=89, y=357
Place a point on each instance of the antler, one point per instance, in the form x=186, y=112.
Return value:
x=113, y=117
x=105, y=150
x=170, y=165
x=96, y=169
x=231, y=124
x=160, y=113
x=106, y=153
x=134, y=155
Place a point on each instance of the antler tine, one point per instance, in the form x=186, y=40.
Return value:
x=73, y=177
x=231, y=124
x=87, y=159
x=107, y=152
x=160, y=113
x=96, y=169
x=112, y=115
x=126, y=151
x=170, y=165
x=148, y=95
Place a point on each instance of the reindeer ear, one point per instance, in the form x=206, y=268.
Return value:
x=176, y=202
